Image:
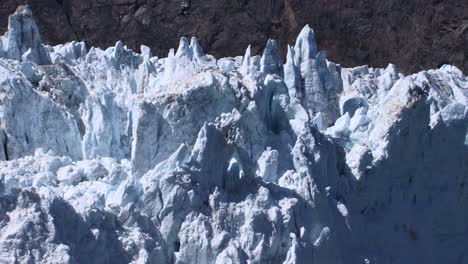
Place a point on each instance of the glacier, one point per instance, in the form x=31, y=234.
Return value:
x=114, y=156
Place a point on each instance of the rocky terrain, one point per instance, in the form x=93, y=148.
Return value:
x=414, y=35
x=118, y=156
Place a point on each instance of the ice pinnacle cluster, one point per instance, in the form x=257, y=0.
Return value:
x=113, y=156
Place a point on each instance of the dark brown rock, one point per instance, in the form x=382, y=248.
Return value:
x=414, y=35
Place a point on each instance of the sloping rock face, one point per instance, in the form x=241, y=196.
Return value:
x=414, y=35
x=113, y=156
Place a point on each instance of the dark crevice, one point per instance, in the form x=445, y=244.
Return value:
x=177, y=246
x=5, y=150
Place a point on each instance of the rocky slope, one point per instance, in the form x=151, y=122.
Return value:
x=415, y=35
x=113, y=156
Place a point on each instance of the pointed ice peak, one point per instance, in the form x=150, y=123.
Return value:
x=120, y=55
x=246, y=62
x=271, y=62
x=23, y=34
x=196, y=49
x=119, y=46
x=79, y=48
x=145, y=52
x=391, y=68
x=306, y=47
x=271, y=48
x=91, y=55
x=248, y=54
x=171, y=53
x=184, y=49
x=307, y=33
x=24, y=10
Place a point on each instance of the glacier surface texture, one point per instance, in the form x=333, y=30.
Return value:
x=116, y=156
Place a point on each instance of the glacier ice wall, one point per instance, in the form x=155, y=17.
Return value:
x=113, y=156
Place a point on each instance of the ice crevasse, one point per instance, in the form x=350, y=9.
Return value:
x=114, y=156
